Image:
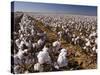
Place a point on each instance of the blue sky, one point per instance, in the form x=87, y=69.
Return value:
x=55, y=8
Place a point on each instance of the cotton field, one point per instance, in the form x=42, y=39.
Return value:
x=53, y=42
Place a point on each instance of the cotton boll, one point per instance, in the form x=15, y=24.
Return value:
x=82, y=37
x=26, y=72
x=77, y=38
x=21, y=36
x=57, y=45
x=40, y=57
x=40, y=42
x=33, y=32
x=60, y=35
x=88, y=43
x=21, y=28
x=56, y=66
x=94, y=48
x=86, y=39
x=45, y=49
x=43, y=57
x=73, y=39
x=62, y=60
x=80, y=33
x=92, y=34
x=34, y=45
x=22, y=42
x=17, y=42
x=38, y=67
x=73, y=35
x=21, y=52
x=21, y=45
x=84, y=47
x=25, y=51
x=19, y=31
x=66, y=30
x=63, y=50
x=28, y=44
